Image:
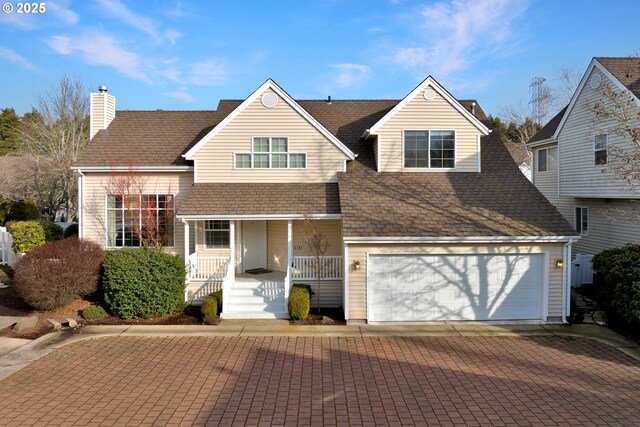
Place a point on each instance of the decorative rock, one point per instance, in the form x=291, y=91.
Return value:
x=56, y=325
x=72, y=323
x=66, y=322
x=25, y=323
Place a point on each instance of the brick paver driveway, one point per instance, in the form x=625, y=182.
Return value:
x=361, y=381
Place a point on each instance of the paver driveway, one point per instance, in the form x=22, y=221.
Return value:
x=361, y=381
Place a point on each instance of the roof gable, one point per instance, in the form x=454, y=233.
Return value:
x=429, y=82
x=269, y=84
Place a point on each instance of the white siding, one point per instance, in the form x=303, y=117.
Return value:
x=547, y=181
x=216, y=158
x=579, y=177
x=422, y=114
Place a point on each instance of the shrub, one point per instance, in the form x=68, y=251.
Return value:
x=52, y=231
x=218, y=296
x=305, y=286
x=52, y=275
x=26, y=235
x=138, y=282
x=94, y=312
x=209, y=309
x=22, y=210
x=71, y=231
x=617, y=282
x=299, y=303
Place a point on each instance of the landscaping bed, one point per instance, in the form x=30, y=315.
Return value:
x=328, y=316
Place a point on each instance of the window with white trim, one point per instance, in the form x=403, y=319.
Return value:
x=547, y=159
x=216, y=234
x=582, y=220
x=138, y=219
x=270, y=153
x=429, y=149
x=600, y=148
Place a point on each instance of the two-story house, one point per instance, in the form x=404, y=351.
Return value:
x=426, y=215
x=574, y=168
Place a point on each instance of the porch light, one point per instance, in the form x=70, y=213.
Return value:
x=559, y=263
x=356, y=265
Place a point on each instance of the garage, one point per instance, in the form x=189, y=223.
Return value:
x=406, y=287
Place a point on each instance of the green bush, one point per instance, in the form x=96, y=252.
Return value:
x=299, y=302
x=27, y=235
x=22, y=210
x=52, y=231
x=617, y=282
x=305, y=286
x=209, y=309
x=94, y=312
x=218, y=296
x=71, y=231
x=139, y=282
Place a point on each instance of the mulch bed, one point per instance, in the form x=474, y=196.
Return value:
x=328, y=316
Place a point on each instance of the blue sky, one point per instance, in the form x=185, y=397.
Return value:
x=189, y=54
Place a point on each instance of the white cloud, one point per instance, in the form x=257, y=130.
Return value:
x=350, y=74
x=207, y=73
x=180, y=95
x=13, y=57
x=458, y=33
x=62, y=14
x=100, y=49
x=57, y=14
x=172, y=36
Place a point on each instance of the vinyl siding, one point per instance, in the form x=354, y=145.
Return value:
x=357, y=292
x=579, y=177
x=330, y=228
x=277, y=245
x=547, y=181
x=422, y=114
x=215, y=159
x=612, y=223
x=100, y=120
x=96, y=189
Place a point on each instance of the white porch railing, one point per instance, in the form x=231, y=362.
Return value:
x=212, y=268
x=304, y=268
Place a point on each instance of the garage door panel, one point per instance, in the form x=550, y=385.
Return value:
x=455, y=287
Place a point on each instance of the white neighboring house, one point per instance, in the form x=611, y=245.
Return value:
x=571, y=155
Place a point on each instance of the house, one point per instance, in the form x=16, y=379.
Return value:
x=426, y=214
x=573, y=164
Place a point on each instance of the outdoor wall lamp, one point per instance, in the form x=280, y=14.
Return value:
x=559, y=263
x=356, y=265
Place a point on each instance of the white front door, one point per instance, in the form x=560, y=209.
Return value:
x=254, y=238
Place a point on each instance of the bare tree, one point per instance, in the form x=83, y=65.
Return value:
x=317, y=244
x=53, y=135
x=568, y=81
x=522, y=117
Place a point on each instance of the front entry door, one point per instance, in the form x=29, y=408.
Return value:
x=254, y=236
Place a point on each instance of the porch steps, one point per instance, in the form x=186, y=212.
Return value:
x=257, y=299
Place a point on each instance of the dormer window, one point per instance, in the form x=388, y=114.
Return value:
x=429, y=149
x=270, y=153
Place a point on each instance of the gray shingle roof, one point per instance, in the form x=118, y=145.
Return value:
x=625, y=69
x=549, y=129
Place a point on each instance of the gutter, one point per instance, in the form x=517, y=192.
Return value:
x=566, y=281
x=80, y=203
x=134, y=168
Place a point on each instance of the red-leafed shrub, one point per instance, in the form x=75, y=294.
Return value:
x=52, y=275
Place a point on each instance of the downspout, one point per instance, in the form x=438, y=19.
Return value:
x=566, y=281
x=80, y=204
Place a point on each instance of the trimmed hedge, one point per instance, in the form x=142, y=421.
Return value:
x=21, y=210
x=52, y=231
x=218, y=296
x=71, y=231
x=209, y=309
x=52, y=275
x=94, y=312
x=142, y=282
x=27, y=235
x=299, y=302
x=617, y=282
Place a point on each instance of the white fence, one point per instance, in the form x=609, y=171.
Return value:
x=582, y=271
x=7, y=255
x=304, y=268
x=212, y=268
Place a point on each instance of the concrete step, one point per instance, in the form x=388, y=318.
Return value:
x=257, y=306
x=257, y=285
x=255, y=299
x=254, y=315
x=256, y=292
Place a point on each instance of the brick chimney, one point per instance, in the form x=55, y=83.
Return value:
x=102, y=110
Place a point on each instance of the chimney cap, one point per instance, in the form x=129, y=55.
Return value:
x=102, y=89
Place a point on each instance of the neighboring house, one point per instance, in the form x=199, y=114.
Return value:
x=571, y=160
x=426, y=214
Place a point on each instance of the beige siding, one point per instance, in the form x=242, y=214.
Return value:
x=215, y=160
x=103, y=111
x=579, y=177
x=330, y=228
x=612, y=223
x=358, y=278
x=200, y=239
x=547, y=181
x=97, y=187
x=330, y=293
x=422, y=114
x=277, y=245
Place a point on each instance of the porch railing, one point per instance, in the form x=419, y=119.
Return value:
x=304, y=268
x=211, y=268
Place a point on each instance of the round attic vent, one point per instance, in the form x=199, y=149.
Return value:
x=595, y=81
x=269, y=100
x=429, y=94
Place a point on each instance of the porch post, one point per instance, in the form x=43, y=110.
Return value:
x=287, y=284
x=231, y=269
x=186, y=255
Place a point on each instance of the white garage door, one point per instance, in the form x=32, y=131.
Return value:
x=454, y=287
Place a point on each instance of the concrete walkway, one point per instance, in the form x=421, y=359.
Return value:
x=24, y=351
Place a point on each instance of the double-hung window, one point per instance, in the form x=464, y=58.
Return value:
x=216, y=234
x=582, y=220
x=432, y=149
x=600, y=145
x=270, y=153
x=547, y=159
x=134, y=220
